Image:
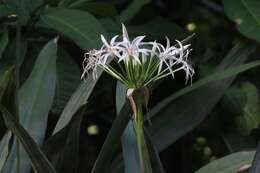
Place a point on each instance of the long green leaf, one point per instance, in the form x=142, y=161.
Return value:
x=246, y=13
x=68, y=79
x=175, y=116
x=112, y=141
x=232, y=163
x=79, y=98
x=154, y=154
x=173, y=121
x=5, y=80
x=97, y=8
x=4, y=149
x=80, y=26
x=39, y=161
x=69, y=157
x=132, y=9
x=255, y=168
x=129, y=143
x=3, y=42
x=35, y=100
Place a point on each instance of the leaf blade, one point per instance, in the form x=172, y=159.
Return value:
x=80, y=26
x=39, y=161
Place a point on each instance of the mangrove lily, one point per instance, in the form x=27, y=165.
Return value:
x=137, y=64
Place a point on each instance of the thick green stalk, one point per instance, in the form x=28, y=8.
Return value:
x=144, y=159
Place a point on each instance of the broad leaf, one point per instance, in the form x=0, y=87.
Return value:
x=39, y=161
x=252, y=107
x=233, y=163
x=80, y=26
x=246, y=13
x=35, y=100
x=97, y=8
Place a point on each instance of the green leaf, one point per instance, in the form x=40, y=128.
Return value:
x=99, y=8
x=69, y=156
x=246, y=14
x=39, y=161
x=250, y=117
x=132, y=9
x=80, y=26
x=5, y=80
x=4, y=149
x=129, y=143
x=112, y=141
x=170, y=120
x=3, y=42
x=154, y=154
x=35, y=100
x=232, y=163
x=243, y=102
x=234, y=100
x=255, y=168
x=68, y=79
x=79, y=98
x=65, y=2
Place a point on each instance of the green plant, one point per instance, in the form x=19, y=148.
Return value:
x=46, y=108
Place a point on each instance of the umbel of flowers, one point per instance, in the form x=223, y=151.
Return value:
x=137, y=64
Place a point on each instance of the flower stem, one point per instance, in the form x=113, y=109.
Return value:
x=144, y=159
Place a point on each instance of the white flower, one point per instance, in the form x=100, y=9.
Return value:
x=139, y=63
x=132, y=49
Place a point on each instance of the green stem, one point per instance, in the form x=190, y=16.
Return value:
x=144, y=159
x=17, y=85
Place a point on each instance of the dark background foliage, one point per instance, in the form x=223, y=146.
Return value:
x=42, y=46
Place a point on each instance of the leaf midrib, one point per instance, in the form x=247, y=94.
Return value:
x=66, y=24
x=35, y=96
x=250, y=12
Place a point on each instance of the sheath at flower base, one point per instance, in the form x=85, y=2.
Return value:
x=137, y=64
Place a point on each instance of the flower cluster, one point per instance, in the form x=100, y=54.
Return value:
x=138, y=63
